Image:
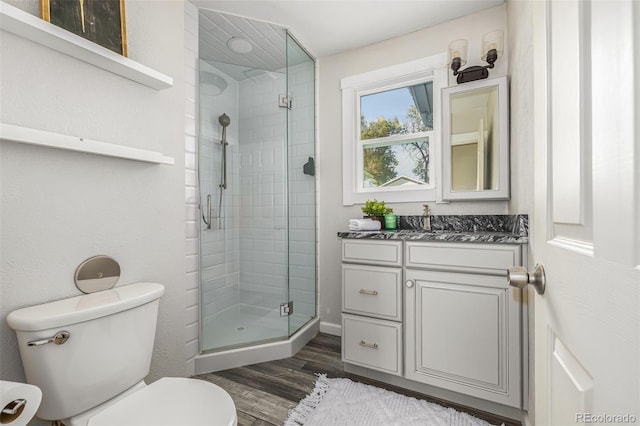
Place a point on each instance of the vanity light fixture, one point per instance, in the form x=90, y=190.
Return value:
x=492, y=45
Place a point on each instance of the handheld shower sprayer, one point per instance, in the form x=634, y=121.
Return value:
x=224, y=121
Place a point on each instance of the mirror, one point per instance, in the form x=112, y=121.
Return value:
x=476, y=140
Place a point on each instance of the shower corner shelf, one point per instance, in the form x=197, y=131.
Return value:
x=32, y=28
x=26, y=135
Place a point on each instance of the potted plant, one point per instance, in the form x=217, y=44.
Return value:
x=375, y=210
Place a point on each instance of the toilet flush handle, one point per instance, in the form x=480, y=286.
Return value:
x=59, y=338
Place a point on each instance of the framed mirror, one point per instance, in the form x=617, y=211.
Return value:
x=475, y=134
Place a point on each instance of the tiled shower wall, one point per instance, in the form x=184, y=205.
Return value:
x=218, y=245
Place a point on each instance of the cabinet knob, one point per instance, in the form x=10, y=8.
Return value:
x=519, y=277
x=409, y=283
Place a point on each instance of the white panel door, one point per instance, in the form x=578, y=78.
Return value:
x=586, y=228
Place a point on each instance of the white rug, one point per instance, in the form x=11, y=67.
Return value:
x=336, y=402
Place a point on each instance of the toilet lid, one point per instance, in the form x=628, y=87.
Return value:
x=174, y=401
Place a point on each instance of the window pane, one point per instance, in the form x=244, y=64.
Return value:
x=399, y=164
x=399, y=111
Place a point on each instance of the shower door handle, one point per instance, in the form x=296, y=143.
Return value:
x=209, y=211
x=309, y=168
x=207, y=218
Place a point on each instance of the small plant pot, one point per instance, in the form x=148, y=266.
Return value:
x=377, y=218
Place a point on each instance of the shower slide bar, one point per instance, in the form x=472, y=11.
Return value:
x=224, y=121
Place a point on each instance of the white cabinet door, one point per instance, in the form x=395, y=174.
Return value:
x=463, y=334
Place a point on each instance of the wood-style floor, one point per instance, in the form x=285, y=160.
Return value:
x=264, y=393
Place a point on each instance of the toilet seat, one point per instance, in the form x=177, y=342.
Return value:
x=172, y=401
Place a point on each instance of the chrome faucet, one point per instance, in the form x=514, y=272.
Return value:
x=426, y=223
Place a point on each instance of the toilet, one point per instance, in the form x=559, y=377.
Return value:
x=89, y=355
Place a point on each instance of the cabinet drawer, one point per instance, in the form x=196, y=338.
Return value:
x=379, y=252
x=493, y=259
x=372, y=291
x=372, y=343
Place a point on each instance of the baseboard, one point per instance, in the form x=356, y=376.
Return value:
x=330, y=328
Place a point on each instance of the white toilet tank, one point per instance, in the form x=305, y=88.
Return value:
x=109, y=348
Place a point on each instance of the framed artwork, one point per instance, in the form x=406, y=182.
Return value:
x=100, y=21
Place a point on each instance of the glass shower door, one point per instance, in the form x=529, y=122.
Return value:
x=301, y=185
x=243, y=229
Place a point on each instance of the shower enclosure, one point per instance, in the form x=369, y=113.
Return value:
x=256, y=174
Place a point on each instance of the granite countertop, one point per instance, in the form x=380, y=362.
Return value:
x=494, y=229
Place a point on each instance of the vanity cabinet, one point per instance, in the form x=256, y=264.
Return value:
x=436, y=313
x=372, y=304
x=463, y=321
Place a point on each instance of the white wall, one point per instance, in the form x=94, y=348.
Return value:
x=520, y=26
x=520, y=41
x=333, y=217
x=192, y=213
x=59, y=207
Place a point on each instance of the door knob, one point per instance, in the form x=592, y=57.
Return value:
x=519, y=277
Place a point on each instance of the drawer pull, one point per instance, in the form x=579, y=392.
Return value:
x=368, y=345
x=371, y=292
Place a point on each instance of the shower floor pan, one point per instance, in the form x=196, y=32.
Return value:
x=243, y=325
x=245, y=335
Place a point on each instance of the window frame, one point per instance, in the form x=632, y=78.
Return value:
x=432, y=68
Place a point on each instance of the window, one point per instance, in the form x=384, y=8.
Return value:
x=390, y=132
x=395, y=129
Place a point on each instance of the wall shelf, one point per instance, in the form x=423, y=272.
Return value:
x=32, y=28
x=26, y=135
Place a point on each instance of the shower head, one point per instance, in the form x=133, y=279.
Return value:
x=224, y=120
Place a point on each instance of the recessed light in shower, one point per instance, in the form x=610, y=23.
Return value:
x=239, y=45
x=212, y=84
